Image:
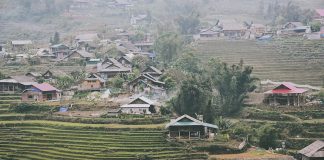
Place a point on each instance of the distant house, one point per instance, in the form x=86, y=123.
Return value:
x=258, y=29
x=285, y=94
x=126, y=61
x=16, y=84
x=233, y=30
x=45, y=55
x=79, y=54
x=296, y=27
x=41, y=92
x=114, y=112
x=34, y=75
x=314, y=151
x=60, y=50
x=152, y=71
x=125, y=35
x=188, y=128
x=144, y=46
x=147, y=84
x=21, y=45
x=209, y=33
x=92, y=82
x=139, y=105
x=319, y=15
x=82, y=39
x=110, y=68
x=52, y=74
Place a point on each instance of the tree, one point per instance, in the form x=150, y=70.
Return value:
x=140, y=62
x=232, y=82
x=167, y=47
x=56, y=38
x=169, y=82
x=209, y=113
x=188, y=63
x=117, y=81
x=315, y=26
x=2, y=76
x=191, y=98
x=78, y=75
x=268, y=137
x=189, y=24
x=64, y=82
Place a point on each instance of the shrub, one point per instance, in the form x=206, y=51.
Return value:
x=268, y=137
x=32, y=108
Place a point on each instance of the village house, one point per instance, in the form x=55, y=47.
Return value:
x=233, y=30
x=34, y=75
x=209, y=33
x=45, y=55
x=286, y=94
x=147, y=84
x=140, y=105
x=144, y=46
x=110, y=68
x=92, y=83
x=314, y=151
x=319, y=15
x=51, y=75
x=41, y=92
x=79, y=54
x=21, y=45
x=114, y=112
x=16, y=84
x=82, y=39
x=189, y=128
x=60, y=51
x=126, y=61
x=258, y=29
x=295, y=27
x=152, y=71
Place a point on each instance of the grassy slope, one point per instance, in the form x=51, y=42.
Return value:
x=295, y=60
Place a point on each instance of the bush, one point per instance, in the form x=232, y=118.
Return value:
x=268, y=137
x=32, y=108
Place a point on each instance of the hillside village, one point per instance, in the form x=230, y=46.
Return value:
x=205, y=89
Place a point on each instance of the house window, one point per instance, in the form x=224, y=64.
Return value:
x=30, y=96
x=91, y=86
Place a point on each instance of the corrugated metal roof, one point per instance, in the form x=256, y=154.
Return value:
x=45, y=87
x=314, y=150
x=194, y=122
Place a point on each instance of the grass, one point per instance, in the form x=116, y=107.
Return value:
x=69, y=124
x=254, y=154
x=61, y=140
x=295, y=59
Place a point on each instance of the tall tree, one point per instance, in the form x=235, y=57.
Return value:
x=167, y=47
x=192, y=97
x=188, y=62
x=56, y=38
x=232, y=82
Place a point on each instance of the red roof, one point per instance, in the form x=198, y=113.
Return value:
x=320, y=12
x=45, y=87
x=286, y=88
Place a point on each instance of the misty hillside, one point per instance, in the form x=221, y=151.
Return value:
x=37, y=19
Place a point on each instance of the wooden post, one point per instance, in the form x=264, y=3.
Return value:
x=189, y=135
x=199, y=134
x=288, y=99
x=179, y=134
x=297, y=99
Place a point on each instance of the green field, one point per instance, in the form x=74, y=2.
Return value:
x=295, y=59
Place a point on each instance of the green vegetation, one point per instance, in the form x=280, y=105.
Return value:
x=38, y=140
x=268, y=137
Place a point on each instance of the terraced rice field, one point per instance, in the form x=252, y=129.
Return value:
x=6, y=100
x=295, y=59
x=36, y=141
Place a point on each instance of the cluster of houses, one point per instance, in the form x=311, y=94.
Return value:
x=237, y=30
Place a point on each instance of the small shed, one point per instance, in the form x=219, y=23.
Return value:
x=189, y=128
x=314, y=151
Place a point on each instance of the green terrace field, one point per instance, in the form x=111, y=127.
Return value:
x=25, y=136
x=285, y=59
x=59, y=140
